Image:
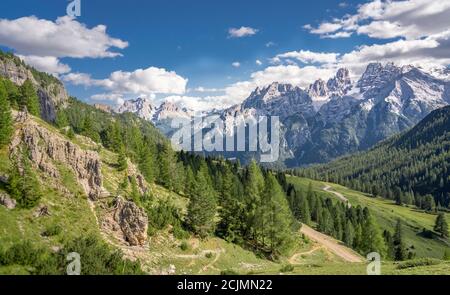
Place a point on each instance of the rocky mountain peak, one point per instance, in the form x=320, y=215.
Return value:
x=341, y=83
x=142, y=107
x=377, y=75
x=318, y=89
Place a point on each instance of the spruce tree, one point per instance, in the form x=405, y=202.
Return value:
x=349, y=234
x=122, y=162
x=202, y=207
x=23, y=184
x=372, y=240
x=399, y=246
x=6, y=124
x=254, y=186
x=441, y=225
x=29, y=98
x=276, y=218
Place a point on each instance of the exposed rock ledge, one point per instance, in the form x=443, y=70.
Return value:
x=46, y=148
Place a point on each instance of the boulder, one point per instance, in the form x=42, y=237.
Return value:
x=7, y=201
x=133, y=221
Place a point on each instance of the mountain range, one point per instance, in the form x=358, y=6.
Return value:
x=330, y=118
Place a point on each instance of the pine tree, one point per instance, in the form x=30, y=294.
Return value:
x=122, y=162
x=165, y=160
x=6, y=125
x=202, y=207
x=441, y=225
x=135, y=194
x=389, y=241
x=372, y=240
x=399, y=246
x=230, y=209
x=254, y=186
x=29, y=98
x=305, y=214
x=349, y=234
x=23, y=183
x=147, y=163
x=275, y=228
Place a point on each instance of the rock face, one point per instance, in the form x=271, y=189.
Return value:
x=50, y=90
x=7, y=201
x=47, y=148
x=133, y=221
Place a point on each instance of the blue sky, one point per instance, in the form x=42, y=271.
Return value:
x=188, y=43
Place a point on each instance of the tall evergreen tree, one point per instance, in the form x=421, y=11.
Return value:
x=349, y=234
x=29, y=98
x=399, y=245
x=276, y=218
x=23, y=184
x=254, y=186
x=122, y=162
x=202, y=207
x=372, y=240
x=6, y=125
x=441, y=225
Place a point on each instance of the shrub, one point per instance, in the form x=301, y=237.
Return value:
x=418, y=262
x=184, y=246
x=209, y=255
x=52, y=230
x=287, y=268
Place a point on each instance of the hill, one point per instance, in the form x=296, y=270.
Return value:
x=406, y=167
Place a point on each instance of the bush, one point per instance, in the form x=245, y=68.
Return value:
x=287, y=268
x=228, y=272
x=209, y=255
x=52, y=230
x=418, y=262
x=184, y=246
x=96, y=258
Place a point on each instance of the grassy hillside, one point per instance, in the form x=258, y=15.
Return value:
x=387, y=213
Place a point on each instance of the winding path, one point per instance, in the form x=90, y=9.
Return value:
x=331, y=244
x=327, y=188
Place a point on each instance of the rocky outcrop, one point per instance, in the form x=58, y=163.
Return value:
x=7, y=201
x=47, y=148
x=50, y=90
x=133, y=221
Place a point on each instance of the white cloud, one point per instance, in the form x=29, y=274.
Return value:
x=241, y=32
x=142, y=82
x=258, y=62
x=236, y=64
x=270, y=44
x=306, y=56
x=410, y=19
x=115, y=98
x=65, y=37
x=49, y=64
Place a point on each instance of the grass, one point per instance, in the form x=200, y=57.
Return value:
x=386, y=214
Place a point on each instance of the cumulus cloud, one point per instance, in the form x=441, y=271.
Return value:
x=142, y=82
x=49, y=64
x=410, y=19
x=65, y=37
x=241, y=32
x=41, y=43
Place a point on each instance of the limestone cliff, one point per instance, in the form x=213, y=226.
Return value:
x=51, y=91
